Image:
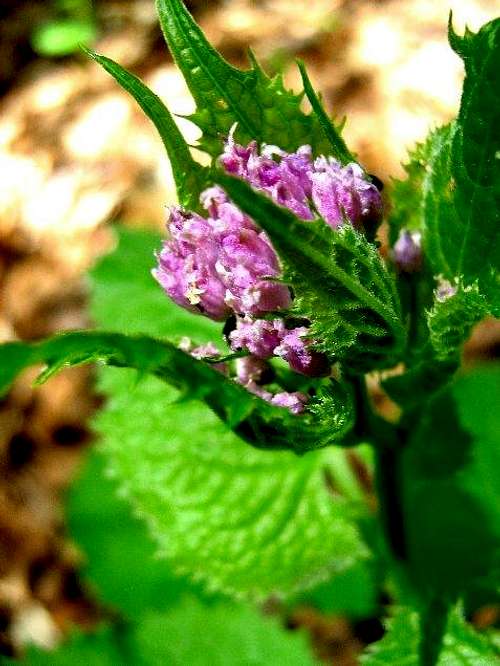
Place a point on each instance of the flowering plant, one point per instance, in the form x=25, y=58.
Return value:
x=272, y=308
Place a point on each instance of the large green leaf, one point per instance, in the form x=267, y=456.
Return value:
x=339, y=280
x=262, y=107
x=190, y=177
x=235, y=517
x=222, y=635
x=245, y=521
x=462, y=189
x=189, y=634
x=462, y=646
x=120, y=564
x=451, y=488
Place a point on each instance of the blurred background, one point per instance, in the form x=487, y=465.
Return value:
x=76, y=154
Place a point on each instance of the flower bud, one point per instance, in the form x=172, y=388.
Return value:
x=407, y=252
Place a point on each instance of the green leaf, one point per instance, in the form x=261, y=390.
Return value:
x=222, y=635
x=451, y=321
x=224, y=95
x=190, y=177
x=189, y=634
x=99, y=648
x=451, y=489
x=407, y=195
x=339, y=280
x=399, y=647
x=244, y=521
x=462, y=189
x=339, y=148
x=120, y=564
x=327, y=418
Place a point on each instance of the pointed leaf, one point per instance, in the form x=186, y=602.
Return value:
x=262, y=107
x=462, y=190
x=463, y=646
x=339, y=280
x=260, y=423
x=190, y=177
x=338, y=146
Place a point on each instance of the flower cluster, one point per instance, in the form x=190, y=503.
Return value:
x=302, y=185
x=223, y=264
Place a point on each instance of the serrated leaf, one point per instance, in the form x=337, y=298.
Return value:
x=327, y=418
x=451, y=488
x=339, y=280
x=462, y=645
x=262, y=107
x=120, y=564
x=462, y=192
x=245, y=521
x=337, y=143
x=220, y=635
x=190, y=177
x=406, y=195
x=451, y=321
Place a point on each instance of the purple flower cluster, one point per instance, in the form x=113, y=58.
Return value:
x=220, y=265
x=301, y=184
x=223, y=264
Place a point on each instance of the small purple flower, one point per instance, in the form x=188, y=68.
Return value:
x=407, y=251
x=250, y=370
x=260, y=337
x=186, y=265
x=444, y=290
x=295, y=401
x=264, y=338
x=341, y=193
x=202, y=352
x=295, y=349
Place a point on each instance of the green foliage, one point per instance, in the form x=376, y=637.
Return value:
x=120, y=562
x=222, y=512
x=406, y=195
x=337, y=143
x=451, y=491
x=100, y=648
x=262, y=107
x=400, y=646
x=190, y=176
x=462, y=190
x=189, y=634
x=224, y=635
x=62, y=37
x=339, y=280
x=450, y=321
x=328, y=416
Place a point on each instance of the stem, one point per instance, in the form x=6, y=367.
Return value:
x=389, y=492
x=433, y=620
